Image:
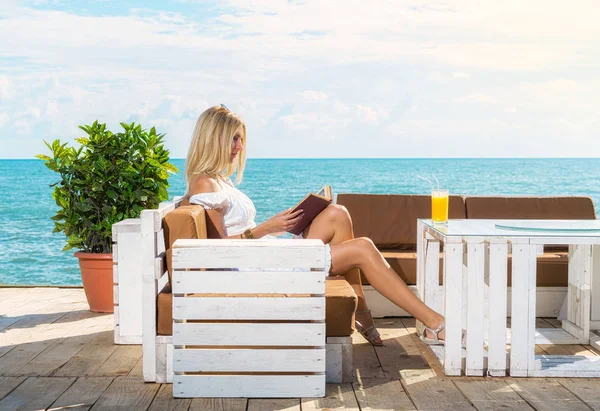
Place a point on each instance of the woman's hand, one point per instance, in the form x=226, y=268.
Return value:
x=284, y=221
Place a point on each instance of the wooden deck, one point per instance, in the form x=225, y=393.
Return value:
x=55, y=354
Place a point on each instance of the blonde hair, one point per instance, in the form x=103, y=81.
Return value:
x=210, y=148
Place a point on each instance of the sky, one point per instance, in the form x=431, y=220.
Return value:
x=311, y=79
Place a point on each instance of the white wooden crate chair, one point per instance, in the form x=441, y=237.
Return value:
x=253, y=315
x=158, y=349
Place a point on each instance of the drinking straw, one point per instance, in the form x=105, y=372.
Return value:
x=429, y=181
x=436, y=180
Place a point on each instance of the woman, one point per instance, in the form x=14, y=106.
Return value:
x=217, y=151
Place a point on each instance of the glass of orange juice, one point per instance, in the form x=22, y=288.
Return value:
x=439, y=206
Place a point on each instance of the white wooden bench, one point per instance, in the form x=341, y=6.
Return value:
x=252, y=316
x=158, y=352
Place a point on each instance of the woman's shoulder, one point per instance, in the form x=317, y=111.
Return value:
x=201, y=183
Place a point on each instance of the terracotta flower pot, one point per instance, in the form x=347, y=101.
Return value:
x=97, y=278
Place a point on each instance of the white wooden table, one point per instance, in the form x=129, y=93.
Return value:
x=474, y=294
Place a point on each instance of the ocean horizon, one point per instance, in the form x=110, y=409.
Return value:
x=32, y=254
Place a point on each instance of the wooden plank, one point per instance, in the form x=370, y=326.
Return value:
x=491, y=395
x=421, y=260
x=126, y=393
x=232, y=282
x=546, y=395
x=261, y=386
x=436, y=394
x=365, y=363
x=453, y=284
x=7, y=384
x=432, y=275
x=43, y=337
x=418, y=372
x=574, y=265
x=585, y=389
x=137, y=370
x=265, y=360
x=377, y=394
x=253, y=308
x=63, y=349
x=121, y=362
x=288, y=404
x=196, y=254
x=337, y=397
x=475, y=306
x=164, y=400
x=595, y=291
x=82, y=394
x=129, y=286
x=519, y=351
x=554, y=336
x=399, y=357
x=566, y=366
x=497, y=308
x=150, y=219
x=35, y=393
x=219, y=404
x=33, y=317
x=300, y=334
x=90, y=357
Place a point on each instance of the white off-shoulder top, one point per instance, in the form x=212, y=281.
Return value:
x=239, y=211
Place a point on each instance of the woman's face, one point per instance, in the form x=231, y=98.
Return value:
x=236, y=144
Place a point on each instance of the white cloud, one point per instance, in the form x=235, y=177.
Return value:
x=460, y=74
x=475, y=98
x=3, y=119
x=313, y=96
x=311, y=70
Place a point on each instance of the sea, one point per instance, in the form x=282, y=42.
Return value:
x=30, y=254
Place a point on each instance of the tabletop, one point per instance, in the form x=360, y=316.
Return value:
x=589, y=229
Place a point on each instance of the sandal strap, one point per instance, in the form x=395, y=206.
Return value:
x=435, y=331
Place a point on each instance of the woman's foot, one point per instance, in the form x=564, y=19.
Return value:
x=366, y=327
x=434, y=335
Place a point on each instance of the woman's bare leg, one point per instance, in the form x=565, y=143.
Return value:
x=334, y=226
x=362, y=253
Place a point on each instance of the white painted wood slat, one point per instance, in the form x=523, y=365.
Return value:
x=262, y=334
x=232, y=282
x=159, y=266
x=292, y=254
x=242, y=360
x=249, y=308
x=149, y=292
x=453, y=263
x=497, y=314
x=432, y=275
x=262, y=386
x=520, y=309
x=475, y=257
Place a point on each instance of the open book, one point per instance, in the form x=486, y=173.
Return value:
x=312, y=205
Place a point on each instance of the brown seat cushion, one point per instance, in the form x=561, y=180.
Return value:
x=551, y=268
x=538, y=208
x=390, y=220
x=184, y=222
x=340, y=305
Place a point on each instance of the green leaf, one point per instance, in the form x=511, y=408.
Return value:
x=107, y=178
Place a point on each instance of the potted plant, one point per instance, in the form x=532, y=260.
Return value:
x=109, y=178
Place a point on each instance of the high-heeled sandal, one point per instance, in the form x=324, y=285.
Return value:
x=435, y=340
x=370, y=333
